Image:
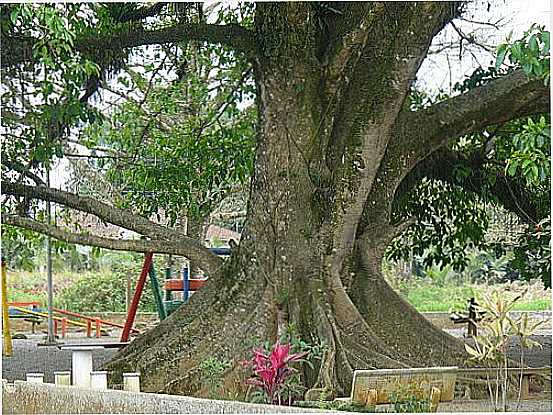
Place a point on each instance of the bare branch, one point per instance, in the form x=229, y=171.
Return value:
x=119, y=217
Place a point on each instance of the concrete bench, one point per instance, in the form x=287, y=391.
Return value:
x=373, y=387
x=81, y=359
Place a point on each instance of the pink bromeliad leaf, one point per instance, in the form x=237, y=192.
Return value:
x=294, y=357
x=267, y=375
x=260, y=361
x=279, y=355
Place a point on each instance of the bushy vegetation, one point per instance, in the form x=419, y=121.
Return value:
x=86, y=291
x=104, y=291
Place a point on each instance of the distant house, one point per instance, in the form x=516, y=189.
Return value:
x=216, y=236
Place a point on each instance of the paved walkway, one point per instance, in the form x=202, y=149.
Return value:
x=28, y=357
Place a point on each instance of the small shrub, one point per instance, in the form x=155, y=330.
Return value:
x=212, y=370
x=409, y=398
x=347, y=406
x=273, y=375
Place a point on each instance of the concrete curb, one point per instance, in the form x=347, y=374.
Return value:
x=33, y=398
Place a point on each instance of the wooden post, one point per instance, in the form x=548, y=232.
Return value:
x=88, y=328
x=472, y=328
x=63, y=327
x=98, y=327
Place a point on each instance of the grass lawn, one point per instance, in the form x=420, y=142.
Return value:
x=426, y=296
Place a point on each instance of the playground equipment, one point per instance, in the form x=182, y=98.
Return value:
x=63, y=320
x=136, y=297
x=17, y=310
x=7, y=350
x=187, y=284
x=164, y=308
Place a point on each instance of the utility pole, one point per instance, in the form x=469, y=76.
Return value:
x=50, y=338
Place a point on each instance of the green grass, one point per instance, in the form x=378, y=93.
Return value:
x=425, y=296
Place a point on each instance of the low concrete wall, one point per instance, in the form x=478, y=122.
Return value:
x=33, y=398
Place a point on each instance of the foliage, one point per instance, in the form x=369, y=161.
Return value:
x=409, y=398
x=311, y=351
x=531, y=154
x=26, y=250
x=105, y=292
x=212, y=370
x=449, y=218
x=200, y=147
x=56, y=88
x=531, y=52
x=533, y=255
x=273, y=372
x=347, y=406
x=490, y=348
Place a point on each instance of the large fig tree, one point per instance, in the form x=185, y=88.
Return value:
x=338, y=144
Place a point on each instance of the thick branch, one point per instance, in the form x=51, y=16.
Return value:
x=509, y=97
x=137, y=245
x=419, y=134
x=194, y=250
x=16, y=50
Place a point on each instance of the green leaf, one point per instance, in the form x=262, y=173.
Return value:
x=512, y=169
x=533, y=44
x=501, y=52
x=545, y=39
x=14, y=14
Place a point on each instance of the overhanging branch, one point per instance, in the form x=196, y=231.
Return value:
x=195, y=251
x=16, y=50
x=419, y=134
x=135, y=245
x=441, y=164
x=509, y=97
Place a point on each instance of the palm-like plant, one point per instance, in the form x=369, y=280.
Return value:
x=491, y=347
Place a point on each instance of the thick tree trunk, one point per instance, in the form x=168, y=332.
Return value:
x=298, y=263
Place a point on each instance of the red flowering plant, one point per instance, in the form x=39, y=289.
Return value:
x=273, y=371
